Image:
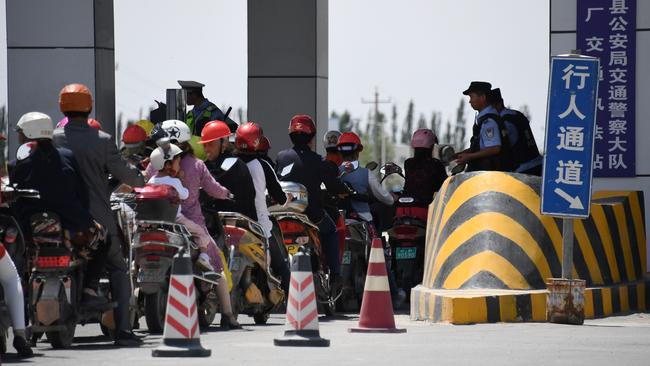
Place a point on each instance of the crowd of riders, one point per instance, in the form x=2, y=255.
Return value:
x=69, y=164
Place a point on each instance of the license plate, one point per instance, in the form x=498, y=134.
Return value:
x=293, y=249
x=406, y=253
x=347, y=257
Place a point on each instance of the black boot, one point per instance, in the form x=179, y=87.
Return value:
x=22, y=347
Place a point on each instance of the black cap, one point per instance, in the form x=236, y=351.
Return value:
x=495, y=95
x=478, y=86
x=188, y=84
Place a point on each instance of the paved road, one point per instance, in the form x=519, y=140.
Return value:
x=617, y=340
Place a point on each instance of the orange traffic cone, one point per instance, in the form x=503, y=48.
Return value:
x=181, y=335
x=376, y=306
x=302, y=313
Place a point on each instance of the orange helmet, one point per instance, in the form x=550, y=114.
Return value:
x=264, y=146
x=349, y=141
x=214, y=130
x=248, y=137
x=134, y=135
x=94, y=124
x=302, y=123
x=75, y=98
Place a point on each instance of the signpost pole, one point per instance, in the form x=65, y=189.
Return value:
x=567, y=248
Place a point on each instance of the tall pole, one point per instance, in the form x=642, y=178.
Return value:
x=376, y=101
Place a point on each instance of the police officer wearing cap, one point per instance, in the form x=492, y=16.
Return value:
x=489, y=146
x=204, y=110
x=524, y=148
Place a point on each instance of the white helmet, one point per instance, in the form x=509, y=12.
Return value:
x=176, y=130
x=331, y=138
x=163, y=154
x=36, y=125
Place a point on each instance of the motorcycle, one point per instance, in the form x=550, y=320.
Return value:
x=56, y=283
x=256, y=292
x=406, y=236
x=300, y=234
x=157, y=238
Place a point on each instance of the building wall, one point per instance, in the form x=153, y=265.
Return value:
x=563, y=40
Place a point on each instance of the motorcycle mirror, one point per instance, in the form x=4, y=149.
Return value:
x=286, y=170
x=446, y=153
x=25, y=150
x=372, y=165
x=228, y=163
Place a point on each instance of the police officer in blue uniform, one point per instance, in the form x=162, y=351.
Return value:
x=204, y=110
x=524, y=148
x=489, y=146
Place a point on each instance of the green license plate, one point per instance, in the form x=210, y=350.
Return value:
x=406, y=253
x=347, y=257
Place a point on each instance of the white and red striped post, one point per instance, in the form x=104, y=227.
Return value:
x=181, y=334
x=302, y=312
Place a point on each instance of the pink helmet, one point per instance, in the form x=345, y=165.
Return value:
x=424, y=137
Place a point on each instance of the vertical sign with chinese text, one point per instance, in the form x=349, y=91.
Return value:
x=569, y=143
x=607, y=29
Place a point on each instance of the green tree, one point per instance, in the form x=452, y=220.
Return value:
x=345, y=122
x=526, y=111
x=459, y=133
x=434, y=124
x=422, y=121
x=407, y=128
x=393, y=126
x=448, y=134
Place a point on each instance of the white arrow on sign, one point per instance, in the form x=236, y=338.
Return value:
x=574, y=202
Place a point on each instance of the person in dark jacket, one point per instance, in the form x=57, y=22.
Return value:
x=302, y=165
x=424, y=174
x=229, y=170
x=98, y=157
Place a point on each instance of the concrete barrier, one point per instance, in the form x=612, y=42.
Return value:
x=485, y=235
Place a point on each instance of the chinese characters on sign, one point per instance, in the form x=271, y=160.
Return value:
x=607, y=30
x=570, y=130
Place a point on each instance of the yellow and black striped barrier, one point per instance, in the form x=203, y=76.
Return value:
x=485, y=231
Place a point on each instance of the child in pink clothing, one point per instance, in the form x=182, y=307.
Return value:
x=167, y=176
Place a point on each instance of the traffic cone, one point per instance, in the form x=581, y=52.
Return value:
x=181, y=334
x=376, y=306
x=302, y=313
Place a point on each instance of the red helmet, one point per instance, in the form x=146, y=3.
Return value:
x=94, y=124
x=133, y=135
x=349, y=141
x=423, y=138
x=264, y=146
x=248, y=137
x=213, y=131
x=302, y=123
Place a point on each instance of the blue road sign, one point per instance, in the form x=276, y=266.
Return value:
x=569, y=144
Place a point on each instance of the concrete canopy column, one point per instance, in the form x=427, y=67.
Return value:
x=287, y=65
x=53, y=43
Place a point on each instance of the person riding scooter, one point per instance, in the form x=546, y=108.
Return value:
x=196, y=177
x=424, y=173
x=364, y=183
x=237, y=178
x=308, y=168
x=134, y=149
x=330, y=140
x=247, y=140
x=98, y=157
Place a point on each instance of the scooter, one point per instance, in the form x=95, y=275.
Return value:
x=56, y=283
x=156, y=240
x=300, y=234
x=406, y=236
x=255, y=292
